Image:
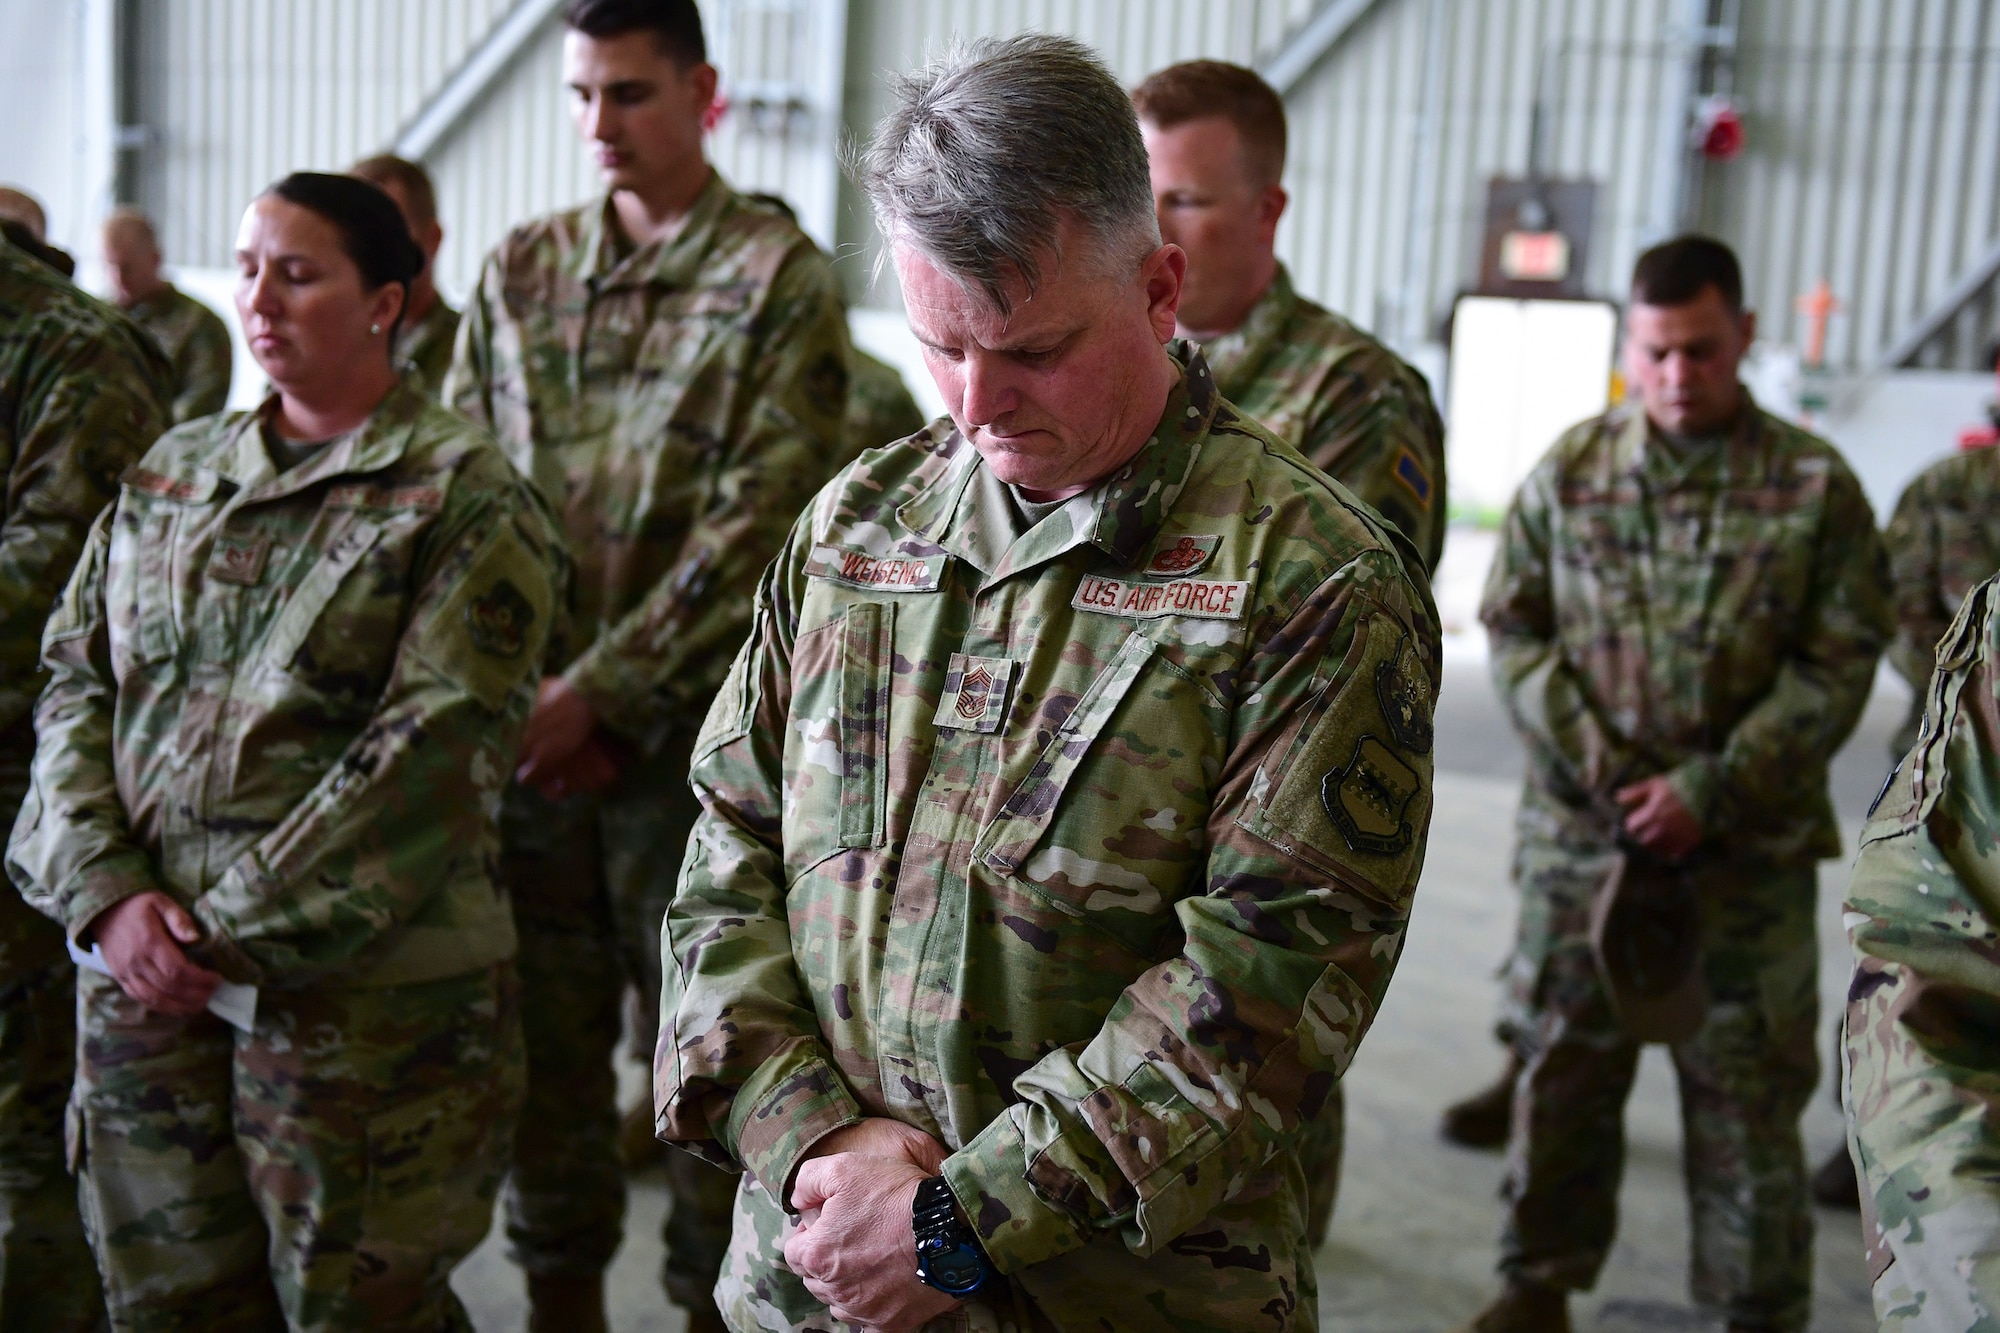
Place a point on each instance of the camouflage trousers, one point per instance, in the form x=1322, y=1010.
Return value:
x=325, y=1172
x=591, y=878
x=48, y=1282
x=1745, y=1079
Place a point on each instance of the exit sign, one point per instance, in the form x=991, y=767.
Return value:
x=1534, y=256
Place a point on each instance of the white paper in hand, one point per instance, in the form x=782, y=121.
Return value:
x=233, y=1003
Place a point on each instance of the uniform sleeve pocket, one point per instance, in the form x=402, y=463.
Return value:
x=488, y=635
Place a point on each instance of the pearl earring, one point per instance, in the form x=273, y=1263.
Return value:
x=374, y=330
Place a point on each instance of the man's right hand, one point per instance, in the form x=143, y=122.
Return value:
x=879, y=1136
x=141, y=939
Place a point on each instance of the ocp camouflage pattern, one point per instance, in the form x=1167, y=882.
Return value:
x=1943, y=540
x=270, y=702
x=1713, y=615
x=1923, y=1009
x=1088, y=849
x=1360, y=413
x=196, y=343
x=880, y=409
x=424, y=345
x=82, y=395
x=678, y=404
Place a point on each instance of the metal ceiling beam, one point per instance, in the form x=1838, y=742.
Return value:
x=1942, y=311
x=448, y=106
x=1288, y=66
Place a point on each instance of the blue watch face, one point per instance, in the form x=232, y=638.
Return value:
x=954, y=1268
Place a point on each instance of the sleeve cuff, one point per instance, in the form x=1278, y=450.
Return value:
x=613, y=690
x=989, y=1177
x=102, y=887
x=219, y=949
x=1697, y=782
x=792, y=1102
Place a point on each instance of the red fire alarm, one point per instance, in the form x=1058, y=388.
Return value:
x=1718, y=128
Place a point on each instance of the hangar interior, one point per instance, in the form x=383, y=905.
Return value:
x=1849, y=150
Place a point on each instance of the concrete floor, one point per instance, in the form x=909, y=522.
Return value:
x=1414, y=1237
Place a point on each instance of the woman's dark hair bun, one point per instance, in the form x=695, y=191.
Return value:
x=371, y=227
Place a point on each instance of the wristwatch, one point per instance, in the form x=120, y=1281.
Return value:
x=949, y=1256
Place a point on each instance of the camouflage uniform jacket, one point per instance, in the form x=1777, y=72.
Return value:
x=1943, y=540
x=1923, y=1017
x=425, y=345
x=291, y=700
x=678, y=405
x=1360, y=413
x=880, y=409
x=196, y=341
x=1714, y=616
x=82, y=395
x=1088, y=849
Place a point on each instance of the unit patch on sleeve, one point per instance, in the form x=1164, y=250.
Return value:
x=1369, y=799
x=887, y=573
x=498, y=620
x=975, y=693
x=1199, y=599
x=1404, y=691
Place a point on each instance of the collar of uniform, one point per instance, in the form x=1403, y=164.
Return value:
x=1236, y=356
x=379, y=442
x=1641, y=452
x=668, y=263
x=1127, y=507
x=161, y=300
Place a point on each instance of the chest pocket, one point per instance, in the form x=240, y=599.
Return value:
x=156, y=517
x=339, y=640
x=1107, y=824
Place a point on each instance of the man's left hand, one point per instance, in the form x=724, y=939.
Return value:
x=1656, y=819
x=858, y=1251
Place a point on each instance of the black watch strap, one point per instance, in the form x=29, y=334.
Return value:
x=934, y=1208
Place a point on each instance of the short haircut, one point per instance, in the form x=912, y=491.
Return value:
x=371, y=227
x=387, y=169
x=675, y=24
x=987, y=151
x=1678, y=271
x=25, y=209
x=1200, y=89
x=128, y=218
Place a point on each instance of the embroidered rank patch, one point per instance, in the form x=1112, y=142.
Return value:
x=1199, y=599
x=889, y=573
x=1404, y=691
x=1411, y=473
x=499, y=619
x=239, y=560
x=1369, y=800
x=975, y=693
x=1183, y=558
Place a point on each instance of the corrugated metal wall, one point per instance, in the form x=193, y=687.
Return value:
x=1873, y=158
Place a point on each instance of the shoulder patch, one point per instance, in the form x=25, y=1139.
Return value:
x=499, y=619
x=1415, y=479
x=489, y=635
x=1369, y=798
x=1404, y=691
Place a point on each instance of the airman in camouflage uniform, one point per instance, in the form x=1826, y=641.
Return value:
x=196, y=343
x=678, y=402
x=1073, y=835
x=1357, y=411
x=1710, y=611
x=425, y=345
x=429, y=328
x=1922, y=1091
x=290, y=700
x=193, y=337
x=1943, y=540
x=82, y=396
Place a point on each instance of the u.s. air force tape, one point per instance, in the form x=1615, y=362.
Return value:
x=1199, y=599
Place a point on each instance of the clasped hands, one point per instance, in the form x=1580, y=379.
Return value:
x=853, y=1244
x=564, y=752
x=1656, y=819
